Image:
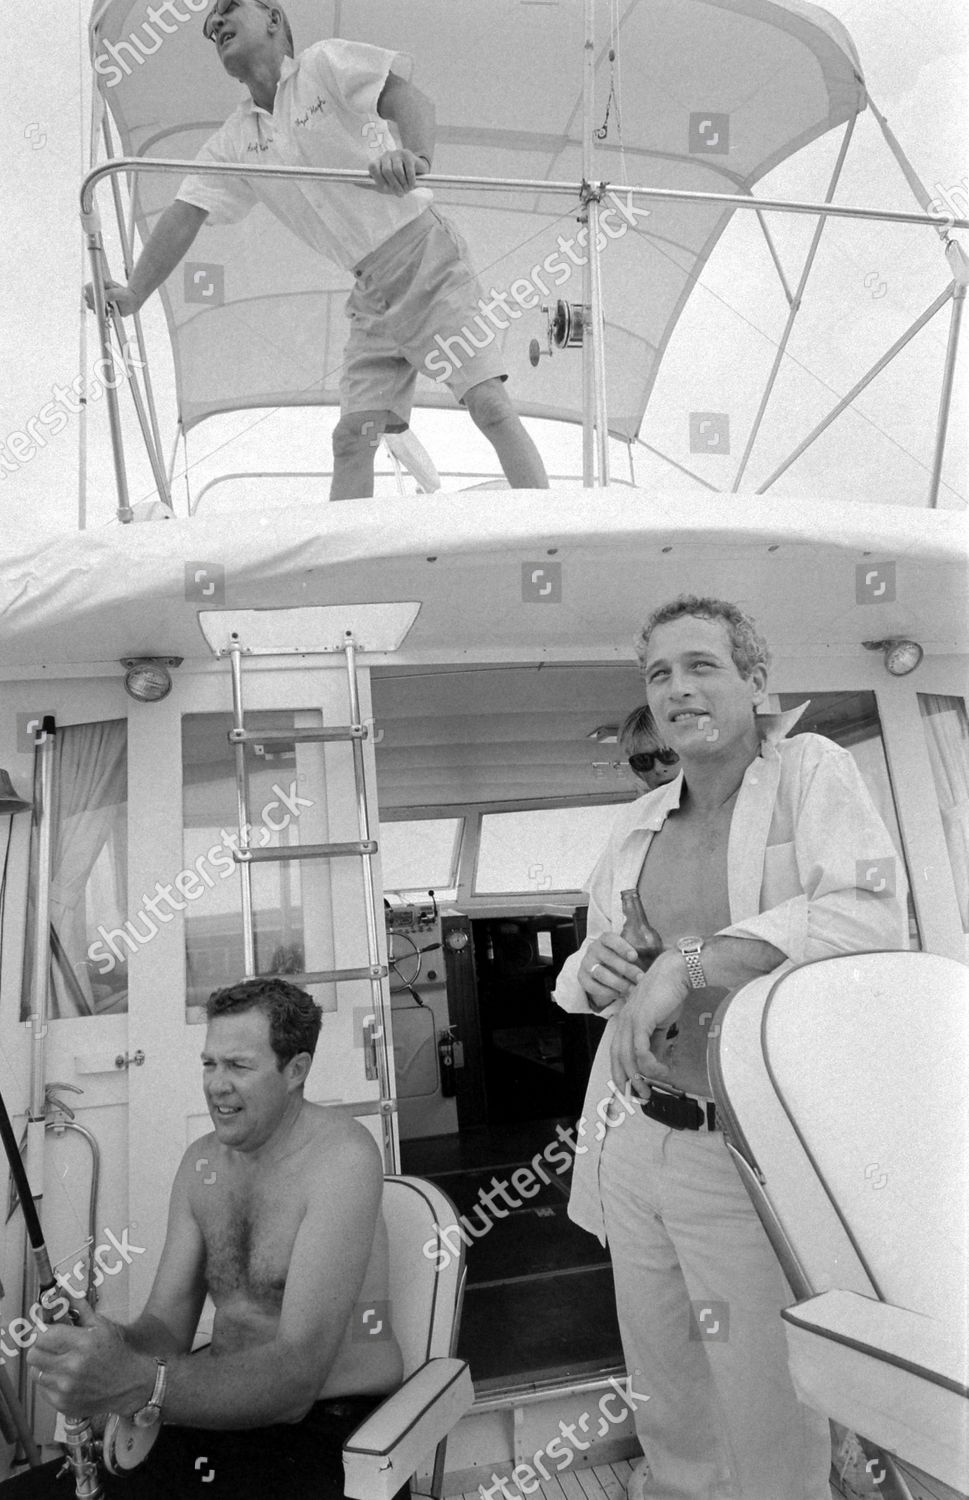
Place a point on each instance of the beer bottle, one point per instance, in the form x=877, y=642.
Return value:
x=636, y=930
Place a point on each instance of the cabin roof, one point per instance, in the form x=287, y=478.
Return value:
x=604, y=559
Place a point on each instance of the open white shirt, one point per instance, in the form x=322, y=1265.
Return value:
x=806, y=848
x=324, y=115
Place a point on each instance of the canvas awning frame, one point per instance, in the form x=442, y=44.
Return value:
x=588, y=197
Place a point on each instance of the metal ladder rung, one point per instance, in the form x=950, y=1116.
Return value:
x=332, y=976
x=298, y=736
x=304, y=851
x=378, y=1062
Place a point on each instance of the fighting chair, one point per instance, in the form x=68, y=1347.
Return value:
x=843, y=1090
x=426, y=1288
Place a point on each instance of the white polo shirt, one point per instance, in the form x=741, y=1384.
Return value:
x=324, y=115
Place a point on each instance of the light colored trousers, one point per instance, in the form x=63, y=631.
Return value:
x=698, y=1291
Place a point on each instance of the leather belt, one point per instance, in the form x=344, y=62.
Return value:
x=678, y=1110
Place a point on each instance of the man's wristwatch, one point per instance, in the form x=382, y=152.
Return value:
x=150, y=1413
x=690, y=948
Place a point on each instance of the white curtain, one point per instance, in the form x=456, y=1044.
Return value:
x=88, y=817
x=947, y=734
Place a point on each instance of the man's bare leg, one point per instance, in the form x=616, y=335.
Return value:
x=356, y=438
x=493, y=413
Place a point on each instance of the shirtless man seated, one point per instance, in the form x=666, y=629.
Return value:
x=276, y=1216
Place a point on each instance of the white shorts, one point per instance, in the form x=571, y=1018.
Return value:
x=413, y=309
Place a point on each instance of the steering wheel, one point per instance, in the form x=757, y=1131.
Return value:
x=405, y=958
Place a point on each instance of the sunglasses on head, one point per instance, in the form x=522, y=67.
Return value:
x=644, y=760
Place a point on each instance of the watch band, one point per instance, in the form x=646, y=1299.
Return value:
x=690, y=947
x=150, y=1413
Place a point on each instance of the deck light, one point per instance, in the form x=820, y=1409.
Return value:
x=147, y=678
x=901, y=656
x=10, y=803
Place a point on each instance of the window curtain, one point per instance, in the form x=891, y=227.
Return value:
x=946, y=728
x=89, y=877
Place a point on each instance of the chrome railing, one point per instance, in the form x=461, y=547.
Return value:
x=588, y=196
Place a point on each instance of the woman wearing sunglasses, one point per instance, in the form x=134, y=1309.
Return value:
x=649, y=760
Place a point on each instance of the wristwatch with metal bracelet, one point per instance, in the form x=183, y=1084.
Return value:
x=690, y=948
x=150, y=1413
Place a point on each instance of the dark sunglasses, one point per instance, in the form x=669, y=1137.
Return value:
x=220, y=9
x=644, y=760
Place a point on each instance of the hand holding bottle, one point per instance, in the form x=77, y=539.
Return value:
x=612, y=964
x=608, y=970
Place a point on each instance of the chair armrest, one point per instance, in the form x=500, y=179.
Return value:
x=892, y=1374
x=386, y=1449
x=908, y=1340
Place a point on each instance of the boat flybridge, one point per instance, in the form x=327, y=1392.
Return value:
x=373, y=746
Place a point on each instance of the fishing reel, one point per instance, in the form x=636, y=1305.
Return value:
x=126, y=1445
x=566, y=329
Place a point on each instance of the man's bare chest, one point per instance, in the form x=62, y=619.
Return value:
x=249, y=1236
x=683, y=883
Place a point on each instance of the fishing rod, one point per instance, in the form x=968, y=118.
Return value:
x=78, y=1432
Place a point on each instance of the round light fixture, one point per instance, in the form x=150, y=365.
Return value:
x=147, y=678
x=10, y=801
x=901, y=656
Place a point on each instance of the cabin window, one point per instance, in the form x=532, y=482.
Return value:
x=283, y=812
x=540, y=849
x=90, y=934
x=851, y=720
x=947, y=736
x=417, y=854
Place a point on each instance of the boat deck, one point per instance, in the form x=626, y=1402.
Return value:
x=608, y=1482
x=596, y=1482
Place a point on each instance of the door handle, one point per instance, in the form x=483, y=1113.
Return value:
x=127, y=1060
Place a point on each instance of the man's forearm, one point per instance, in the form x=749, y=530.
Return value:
x=149, y=1335
x=414, y=115
x=168, y=243
x=729, y=962
x=253, y=1388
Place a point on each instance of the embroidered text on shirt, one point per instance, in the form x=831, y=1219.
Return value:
x=314, y=109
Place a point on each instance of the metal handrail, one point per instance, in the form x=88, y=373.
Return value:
x=589, y=195
x=513, y=184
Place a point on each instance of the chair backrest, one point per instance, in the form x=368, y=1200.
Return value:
x=843, y=1084
x=427, y=1269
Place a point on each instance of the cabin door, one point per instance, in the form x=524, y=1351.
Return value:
x=309, y=915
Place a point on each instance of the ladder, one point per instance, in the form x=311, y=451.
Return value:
x=376, y=1026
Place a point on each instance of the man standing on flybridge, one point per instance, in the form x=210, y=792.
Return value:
x=414, y=288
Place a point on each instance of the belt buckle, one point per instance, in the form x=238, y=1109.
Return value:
x=673, y=1107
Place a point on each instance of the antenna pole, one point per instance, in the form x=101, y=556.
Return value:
x=588, y=355
x=595, y=428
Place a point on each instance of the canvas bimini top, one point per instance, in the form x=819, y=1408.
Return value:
x=714, y=93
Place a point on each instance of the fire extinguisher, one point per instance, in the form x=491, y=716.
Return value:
x=445, y=1053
